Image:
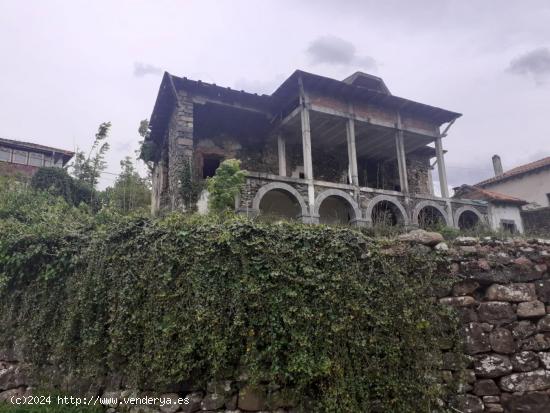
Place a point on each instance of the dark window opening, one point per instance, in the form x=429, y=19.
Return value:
x=508, y=226
x=468, y=220
x=209, y=166
x=548, y=197
x=302, y=176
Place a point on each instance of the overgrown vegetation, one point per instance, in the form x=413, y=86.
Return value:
x=340, y=321
x=225, y=185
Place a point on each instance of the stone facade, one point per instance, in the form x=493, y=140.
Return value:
x=305, y=131
x=361, y=202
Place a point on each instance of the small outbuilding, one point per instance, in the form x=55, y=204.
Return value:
x=504, y=211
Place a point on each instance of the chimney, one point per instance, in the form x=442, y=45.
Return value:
x=497, y=165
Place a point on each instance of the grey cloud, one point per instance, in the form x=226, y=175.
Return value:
x=337, y=51
x=144, y=69
x=535, y=63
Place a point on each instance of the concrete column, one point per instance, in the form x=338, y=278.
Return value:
x=441, y=168
x=306, y=147
x=352, y=153
x=401, y=162
x=281, y=145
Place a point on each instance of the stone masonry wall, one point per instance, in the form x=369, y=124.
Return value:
x=500, y=289
x=502, y=294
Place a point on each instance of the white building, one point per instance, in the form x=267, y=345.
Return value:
x=504, y=212
x=530, y=182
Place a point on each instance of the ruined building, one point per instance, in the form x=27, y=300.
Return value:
x=317, y=149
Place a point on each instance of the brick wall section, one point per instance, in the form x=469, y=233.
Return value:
x=502, y=294
x=537, y=221
x=17, y=170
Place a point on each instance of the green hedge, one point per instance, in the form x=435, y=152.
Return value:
x=344, y=323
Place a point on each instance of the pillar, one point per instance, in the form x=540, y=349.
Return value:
x=401, y=160
x=441, y=168
x=281, y=146
x=306, y=148
x=352, y=153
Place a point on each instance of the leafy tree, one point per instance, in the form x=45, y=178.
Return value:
x=88, y=168
x=147, y=148
x=54, y=180
x=130, y=192
x=58, y=182
x=225, y=185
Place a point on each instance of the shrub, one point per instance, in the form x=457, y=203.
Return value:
x=342, y=322
x=225, y=185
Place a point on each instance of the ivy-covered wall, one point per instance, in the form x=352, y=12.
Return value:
x=234, y=314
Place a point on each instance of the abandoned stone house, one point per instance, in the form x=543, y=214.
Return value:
x=317, y=149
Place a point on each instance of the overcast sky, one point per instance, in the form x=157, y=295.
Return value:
x=67, y=66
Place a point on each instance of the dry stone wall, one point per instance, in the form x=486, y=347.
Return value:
x=502, y=294
x=500, y=289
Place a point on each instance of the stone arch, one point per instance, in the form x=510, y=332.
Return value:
x=427, y=203
x=391, y=199
x=464, y=209
x=354, y=207
x=279, y=186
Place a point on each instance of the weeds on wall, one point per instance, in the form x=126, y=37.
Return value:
x=341, y=322
x=190, y=187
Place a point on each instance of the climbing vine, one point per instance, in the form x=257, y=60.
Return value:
x=342, y=322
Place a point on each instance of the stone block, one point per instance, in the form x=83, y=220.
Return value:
x=501, y=341
x=543, y=325
x=531, y=309
x=522, y=329
x=525, y=361
x=465, y=301
x=511, y=292
x=543, y=290
x=469, y=403
x=486, y=387
x=212, y=401
x=496, y=312
x=466, y=287
x=523, y=382
x=538, y=342
x=492, y=366
x=526, y=403
x=476, y=340
x=545, y=359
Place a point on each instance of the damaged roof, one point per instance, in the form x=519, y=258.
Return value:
x=518, y=171
x=357, y=87
x=474, y=192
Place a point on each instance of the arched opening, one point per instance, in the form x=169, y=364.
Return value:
x=335, y=210
x=278, y=203
x=468, y=220
x=386, y=213
x=430, y=217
